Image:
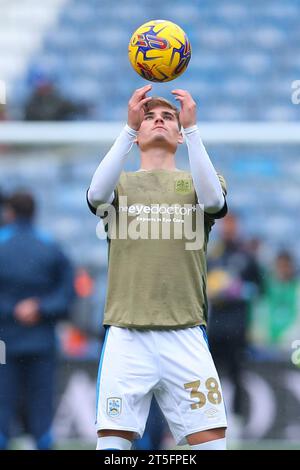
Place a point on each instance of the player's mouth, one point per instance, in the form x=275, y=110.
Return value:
x=159, y=127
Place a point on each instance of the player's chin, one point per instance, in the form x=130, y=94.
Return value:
x=160, y=137
x=165, y=143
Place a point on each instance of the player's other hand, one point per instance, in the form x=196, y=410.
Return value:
x=188, y=111
x=27, y=311
x=136, y=107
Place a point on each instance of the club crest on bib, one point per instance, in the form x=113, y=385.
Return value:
x=114, y=407
x=183, y=186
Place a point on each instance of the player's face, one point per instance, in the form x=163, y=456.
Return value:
x=159, y=128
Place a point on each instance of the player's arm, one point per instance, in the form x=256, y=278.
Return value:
x=206, y=181
x=107, y=175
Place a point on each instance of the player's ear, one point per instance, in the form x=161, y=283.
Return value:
x=180, y=138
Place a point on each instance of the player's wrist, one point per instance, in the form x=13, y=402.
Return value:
x=190, y=129
x=132, y=132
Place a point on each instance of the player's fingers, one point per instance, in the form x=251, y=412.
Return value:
x=149, y=85
x=141, y=91
x=179, y=98
x=180, y=92
x=184, y=94
x=185, y=100
x=145, y=100
x=139, y=94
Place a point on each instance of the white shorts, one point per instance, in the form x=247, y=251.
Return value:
x=175, y=365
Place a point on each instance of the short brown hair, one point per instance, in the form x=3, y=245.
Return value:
x=160, y=101
x=22, y=204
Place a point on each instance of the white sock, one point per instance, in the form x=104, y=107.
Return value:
x=217, y=444
x=113, y=443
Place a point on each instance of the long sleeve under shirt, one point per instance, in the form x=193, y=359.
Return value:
x=205, y=178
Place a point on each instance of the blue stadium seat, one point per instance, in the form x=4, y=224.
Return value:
x=244, y=58
x=235, y=49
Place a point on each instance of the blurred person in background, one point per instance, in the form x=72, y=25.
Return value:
x=234, y=280
x=276, y=315
x=36, y=291
x=2, y=198
x=46, y=103
x=3, y=116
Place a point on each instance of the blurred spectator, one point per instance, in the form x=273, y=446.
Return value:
x=1, y=206
x=36, y=289
x=254, y=245
x=234, y=278
x=77, y=337
x=261, y=250
x=277, y=314
x=3, y=116
x=46, y=103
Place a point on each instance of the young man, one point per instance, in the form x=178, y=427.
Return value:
x=156, y=307
x=36, y=292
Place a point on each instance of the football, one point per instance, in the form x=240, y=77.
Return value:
x=159, y=51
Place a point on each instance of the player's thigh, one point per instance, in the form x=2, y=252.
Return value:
x=191, y=394
x=129, y=435
x=127, y=373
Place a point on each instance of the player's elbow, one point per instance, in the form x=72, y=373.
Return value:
x=214, y=204
x=95, y=197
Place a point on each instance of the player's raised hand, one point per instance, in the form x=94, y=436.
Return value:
x=188, y=114
x=136, y=106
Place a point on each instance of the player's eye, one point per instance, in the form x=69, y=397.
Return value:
x=148, y=116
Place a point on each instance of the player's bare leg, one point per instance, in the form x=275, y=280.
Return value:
x=109, y=439
x=212, y=439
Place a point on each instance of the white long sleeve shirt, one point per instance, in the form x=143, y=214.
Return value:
x=205, y=178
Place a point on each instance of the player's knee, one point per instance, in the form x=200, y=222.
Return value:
x=206, y=436
x=114, y=440
x=129, y=435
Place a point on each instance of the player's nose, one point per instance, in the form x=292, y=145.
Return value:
x=158, y=118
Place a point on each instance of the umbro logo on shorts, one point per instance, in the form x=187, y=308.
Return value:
x=114, y=407
x=211, y=413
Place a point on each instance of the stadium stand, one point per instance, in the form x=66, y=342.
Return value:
x=242, y=65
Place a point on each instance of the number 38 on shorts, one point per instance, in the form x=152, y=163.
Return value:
x=212, y=395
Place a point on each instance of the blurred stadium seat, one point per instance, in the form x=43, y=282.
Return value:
x=258, y=41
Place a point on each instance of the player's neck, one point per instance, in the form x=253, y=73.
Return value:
x=157, y=159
